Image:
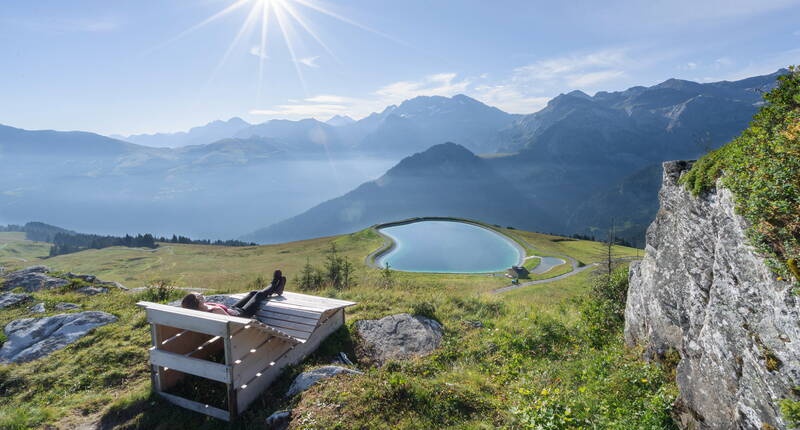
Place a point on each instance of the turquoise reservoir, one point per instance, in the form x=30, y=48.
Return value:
x=448, y=247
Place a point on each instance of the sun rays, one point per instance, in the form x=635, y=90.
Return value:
x=289, y=16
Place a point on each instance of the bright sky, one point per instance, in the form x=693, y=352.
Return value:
x=132, y=66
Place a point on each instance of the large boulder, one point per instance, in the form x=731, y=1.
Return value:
x=305, y=380
x=33, y=278
x=32, y=338
x=400, y=336
x=8, y=300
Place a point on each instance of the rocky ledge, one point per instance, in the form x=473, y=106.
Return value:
x=701, y=292
x=32, y=338
x=37, y=278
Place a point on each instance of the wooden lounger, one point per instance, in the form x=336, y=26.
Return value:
x=284, y=331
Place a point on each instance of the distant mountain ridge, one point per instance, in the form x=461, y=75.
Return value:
x=445, y=180
x=412, y=126
x=213, y=131
x=662, y=114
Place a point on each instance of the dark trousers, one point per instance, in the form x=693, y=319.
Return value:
x=250, y=303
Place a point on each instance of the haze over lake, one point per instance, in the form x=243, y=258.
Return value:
x=217, y=202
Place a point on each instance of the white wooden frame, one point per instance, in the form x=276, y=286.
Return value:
x=256, y=350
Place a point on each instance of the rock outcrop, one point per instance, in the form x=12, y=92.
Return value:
x=305, y=380
x=32, y=338
x=37, y=278
x=704, y=293
x=400, y=336
x=33, y=278
x=8, y=300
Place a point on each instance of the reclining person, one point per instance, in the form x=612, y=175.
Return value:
x=246, y=307
x=198, y=302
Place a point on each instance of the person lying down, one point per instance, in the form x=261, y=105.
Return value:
x=246, y=307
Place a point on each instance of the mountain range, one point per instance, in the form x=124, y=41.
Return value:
x=579, y=165
x=413, y=126
x=444, y=180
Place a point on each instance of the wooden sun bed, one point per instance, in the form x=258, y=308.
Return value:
x=284, y=331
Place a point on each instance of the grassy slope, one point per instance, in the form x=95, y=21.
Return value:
x=105, y=376
x=15, y=250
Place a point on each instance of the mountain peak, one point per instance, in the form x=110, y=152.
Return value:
x=580, y=94
x=339, y=120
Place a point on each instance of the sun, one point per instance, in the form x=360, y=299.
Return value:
x=286, y=14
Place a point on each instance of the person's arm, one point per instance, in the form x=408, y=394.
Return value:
x=216, y=310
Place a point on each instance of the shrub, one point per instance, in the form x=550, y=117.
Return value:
x=310, y=279
x=161, y=291
x=790, y=409
x=603, y=311
x=425, y=309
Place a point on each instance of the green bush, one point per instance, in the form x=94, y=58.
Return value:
x=425, y=309
x=790, y=409
x=161, y=291
x=762, y=169
x=603, y=311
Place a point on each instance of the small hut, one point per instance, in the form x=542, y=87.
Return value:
x=284, y=331
x=518, y=272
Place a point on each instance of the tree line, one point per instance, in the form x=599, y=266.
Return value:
x=67, y=241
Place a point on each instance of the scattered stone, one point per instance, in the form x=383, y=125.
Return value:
x=114, y=284
x=474, y=323
x=279, y=420
x=344, y=359
x=91, y=290
x=92, y=279
x=32, y=279
x=63, y=306
x=305, y=380
x=86, y=278
x=400, y=336
x=12, y=299
x=38, y=308
x=33, y=338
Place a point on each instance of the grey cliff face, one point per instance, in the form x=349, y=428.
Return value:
x=702, y=291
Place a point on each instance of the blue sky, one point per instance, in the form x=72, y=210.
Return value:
x=130, y=66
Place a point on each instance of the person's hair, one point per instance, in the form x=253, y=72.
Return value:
x=190, y=301
x=277, y=275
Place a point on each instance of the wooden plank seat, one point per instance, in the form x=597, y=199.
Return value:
x=295, y=314
x=283, y=332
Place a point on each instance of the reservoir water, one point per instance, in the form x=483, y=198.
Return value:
x=448, y=247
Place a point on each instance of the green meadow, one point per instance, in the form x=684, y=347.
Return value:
x=536, y=357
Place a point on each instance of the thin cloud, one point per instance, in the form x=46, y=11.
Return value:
x=329, y=98
x=256, y=51
x=441, y=84
x=302, y=110
x=309, y=62
x=583, y=80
